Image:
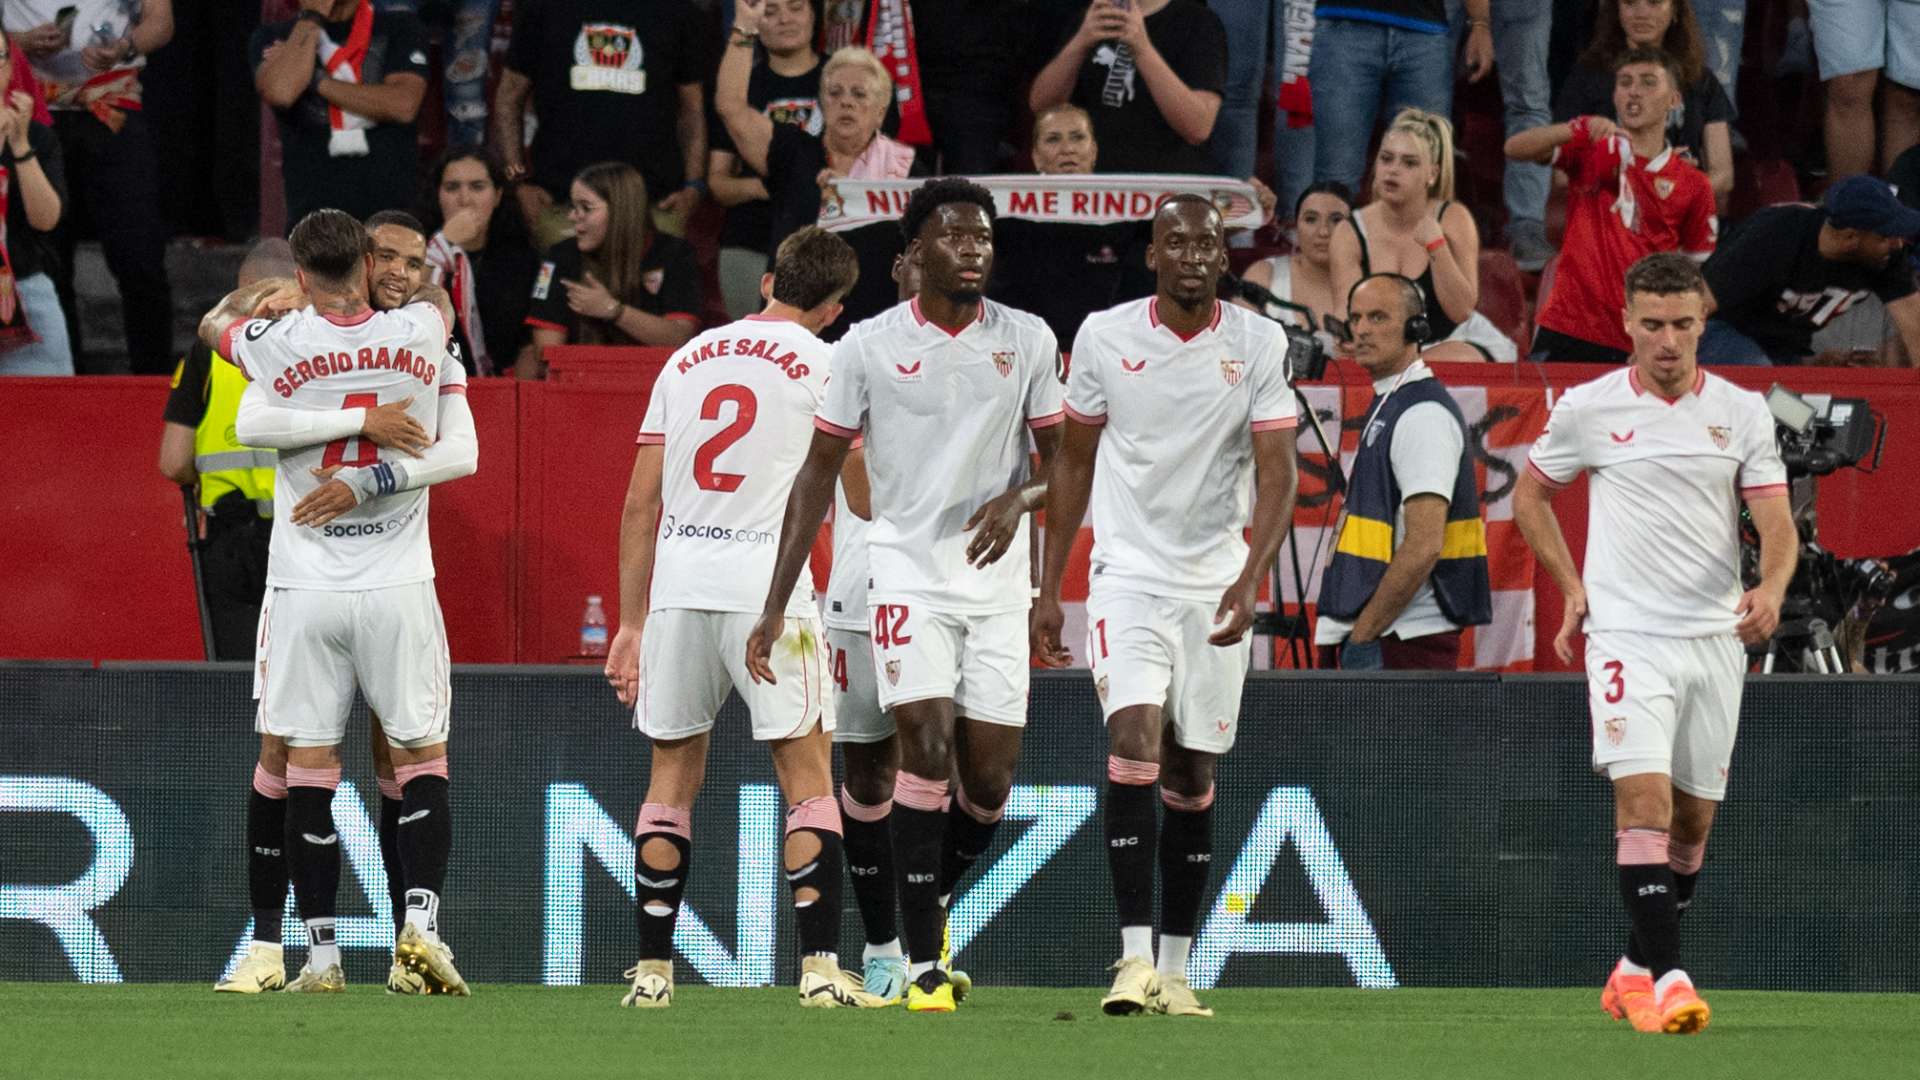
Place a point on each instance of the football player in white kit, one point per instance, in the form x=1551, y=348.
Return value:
x=861, y=728
x=1178, y=406
x=350, y=572
x=944, y=389
x=1669, y=452
x=727, y=425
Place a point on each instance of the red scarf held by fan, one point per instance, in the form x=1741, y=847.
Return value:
x=344, y=62
x=890, y=36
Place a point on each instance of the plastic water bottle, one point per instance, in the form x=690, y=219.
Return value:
x=593, y=629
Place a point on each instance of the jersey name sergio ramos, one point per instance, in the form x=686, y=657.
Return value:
x=1173, y=474
x=1664, y=485
x=317, y=362
x=946, y=418
x=734, y=408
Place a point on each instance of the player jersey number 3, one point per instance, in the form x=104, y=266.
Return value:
x=745, y=408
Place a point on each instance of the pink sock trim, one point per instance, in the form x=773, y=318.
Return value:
x=389, y=789
x=1191, y=804
x=1138, y=773
x=984, y=817
x=1640, y=847
x=1686, y=858
x=661, y=818
x=819, y=813
x=328, y=779
x=860, y=811
x=918, y=792
x=264, y=782
x=406, y=774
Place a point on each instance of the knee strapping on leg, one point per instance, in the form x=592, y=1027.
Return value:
x=264, y=782
x=1191, y=804
x=809, y=823
x=859, y=811
x=983, y=815
x=327, y=777
x=919, y=793
x=405, y=774
x=1133, y=773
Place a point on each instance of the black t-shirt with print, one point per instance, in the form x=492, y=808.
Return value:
x=1588, y=91
x=606, y=84
x=1133, y=136
x=669, y=286
x=387, y=176
x=785, y=99
x=1772, y=284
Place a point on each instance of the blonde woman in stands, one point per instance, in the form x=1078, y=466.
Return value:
x=1305, y=276
x=1415, y=229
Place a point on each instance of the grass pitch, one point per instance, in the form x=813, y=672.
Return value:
x=64, y=1030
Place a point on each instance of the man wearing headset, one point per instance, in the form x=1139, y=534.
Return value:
x=1409, y=566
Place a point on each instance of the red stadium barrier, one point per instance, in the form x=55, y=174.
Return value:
x=93, y=548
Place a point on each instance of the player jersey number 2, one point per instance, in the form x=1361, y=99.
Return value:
x=368, y=453
x=745, y=408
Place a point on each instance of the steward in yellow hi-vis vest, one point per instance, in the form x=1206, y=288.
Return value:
x=236, y=493
x=1431, y=458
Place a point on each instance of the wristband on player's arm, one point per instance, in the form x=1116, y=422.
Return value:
x=380, y=478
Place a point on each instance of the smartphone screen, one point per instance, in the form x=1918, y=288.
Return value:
x=64, y=18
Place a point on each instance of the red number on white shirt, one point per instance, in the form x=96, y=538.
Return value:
x=746, y=407
x=368, y=454
x=1616, y=684
x=889, y=625
x=840, y=669
x=1100, y=631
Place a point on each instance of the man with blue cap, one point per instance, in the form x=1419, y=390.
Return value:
x=1793, y=269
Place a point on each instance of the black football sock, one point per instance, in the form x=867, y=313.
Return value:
x=266, y=854
x=869, y=853
x=919, y=830
x=1647, y=889
x=817, y=920
x=390, y=852
x=1131, y=841
x=313, y=857
x=658, y=889
x=1186, y=861
x=426, y=844
x=970, y=832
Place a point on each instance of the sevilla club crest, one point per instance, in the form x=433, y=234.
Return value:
x=893, y=673
x=1720, y=436
x=1616, y=728
x=1232, y=370
x=1003, y=363
x=1100, y=688
x=1663, y=187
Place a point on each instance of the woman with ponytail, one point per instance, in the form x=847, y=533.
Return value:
x=1414, y=228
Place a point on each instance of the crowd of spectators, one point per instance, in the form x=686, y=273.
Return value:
x=560, y=210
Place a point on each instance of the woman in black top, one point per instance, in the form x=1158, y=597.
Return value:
x=615, y=281
x=33, y=330
x=481, y=254
x=1700, y=126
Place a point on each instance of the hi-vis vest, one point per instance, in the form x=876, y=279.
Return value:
x=1365, y=546
x=223, y=463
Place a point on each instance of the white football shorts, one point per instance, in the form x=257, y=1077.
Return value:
x=1666, y=705
x=857, y=714
x=690, y=659
x=315, y=645
x=980, y=661
x=1153, y=650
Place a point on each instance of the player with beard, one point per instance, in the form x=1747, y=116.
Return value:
x=1177, y=406
x=394, y=278
x=948, y=611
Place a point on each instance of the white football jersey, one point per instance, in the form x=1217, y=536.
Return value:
x=847, y=584
x=1664, y=485
x=1173, y=477
x=734, y=407
x=945, y=418
x=316, y=362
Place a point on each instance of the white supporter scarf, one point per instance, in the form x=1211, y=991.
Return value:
x=1091, y=199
